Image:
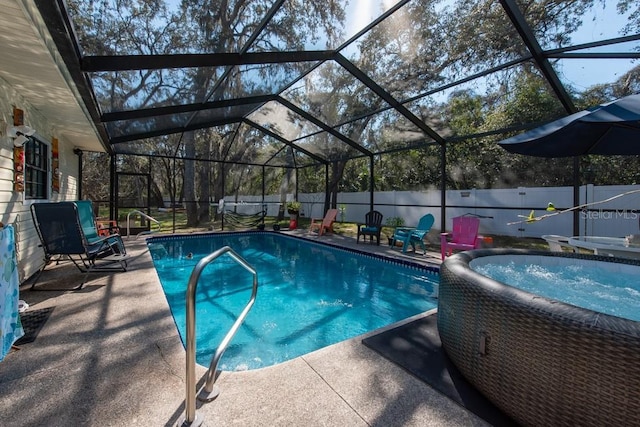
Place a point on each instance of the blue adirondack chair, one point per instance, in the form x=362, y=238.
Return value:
x=413, y=236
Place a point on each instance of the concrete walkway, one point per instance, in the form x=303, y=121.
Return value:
x=110, y=355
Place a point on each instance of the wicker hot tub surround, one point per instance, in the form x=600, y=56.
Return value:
x=543, y=362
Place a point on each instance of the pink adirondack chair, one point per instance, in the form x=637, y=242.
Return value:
x=463, y=237
x=326, y=224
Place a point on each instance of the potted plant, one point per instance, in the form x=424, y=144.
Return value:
x=343, y=211
x=293, y=208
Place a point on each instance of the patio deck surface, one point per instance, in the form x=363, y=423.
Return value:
x=110, y=355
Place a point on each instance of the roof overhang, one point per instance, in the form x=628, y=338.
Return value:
x=32, y=65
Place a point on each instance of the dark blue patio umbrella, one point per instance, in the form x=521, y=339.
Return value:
x=608, y=129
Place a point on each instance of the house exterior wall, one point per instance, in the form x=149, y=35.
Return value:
x=14, y=208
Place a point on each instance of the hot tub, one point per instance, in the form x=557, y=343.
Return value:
x=543, y=362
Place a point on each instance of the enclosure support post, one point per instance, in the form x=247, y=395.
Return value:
x=264, y=206
x=149, y=186
x=296, y=182
x=113, y=188
x=576, y=195
x=173, y=196
x=78, y=152
x=223, y=193
x=371, y=183
x=326, y=188
x=443, y=187
x=263, y=187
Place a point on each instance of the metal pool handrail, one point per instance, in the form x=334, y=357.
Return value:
x=143, y=215
x=208, y=392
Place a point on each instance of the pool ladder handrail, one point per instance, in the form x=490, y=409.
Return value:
x=150, y=218
x=208, y=392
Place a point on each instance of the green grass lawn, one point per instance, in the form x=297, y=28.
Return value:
x=166, y=220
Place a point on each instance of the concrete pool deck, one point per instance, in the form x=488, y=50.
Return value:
x=110, y=355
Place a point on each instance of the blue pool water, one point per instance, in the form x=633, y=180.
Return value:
x=604, y=287
x=309, y=295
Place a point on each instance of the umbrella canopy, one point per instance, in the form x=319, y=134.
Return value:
x=608, y=129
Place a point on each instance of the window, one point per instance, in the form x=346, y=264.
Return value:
x=36, y=176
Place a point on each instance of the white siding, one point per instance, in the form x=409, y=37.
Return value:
x=13, y=208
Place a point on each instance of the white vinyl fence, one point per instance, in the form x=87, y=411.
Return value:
x=502, y=211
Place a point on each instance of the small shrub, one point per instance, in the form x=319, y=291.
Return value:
x=394, y=221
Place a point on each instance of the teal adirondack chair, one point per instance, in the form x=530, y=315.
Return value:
x=413, y=236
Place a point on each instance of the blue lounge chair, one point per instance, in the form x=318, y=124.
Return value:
x=411, y=236
x=62, y=235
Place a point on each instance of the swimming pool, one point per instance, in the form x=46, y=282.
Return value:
x=310, y=295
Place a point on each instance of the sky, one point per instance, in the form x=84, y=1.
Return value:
x=602, y=24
